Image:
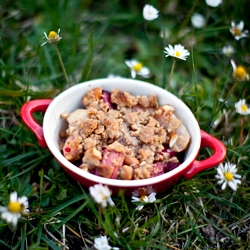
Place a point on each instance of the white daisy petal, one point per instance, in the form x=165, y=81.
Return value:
x=9, y=217
x=135, y=199
x=110, y=201
x=14, y=221
x=220, y=181
x=3, y=210
x=5, y=215
x=233, y=65
x=241, y=25
x=140, y=207
x=133, y=73
x=128, y=63
x=224, y=186
x=151, y=197
x=13, y=197
x=144, y=72
x=232, y=185
x=45, y=35
x=237, y=176
x=220, y=171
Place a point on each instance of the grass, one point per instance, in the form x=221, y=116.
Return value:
x=97, y=37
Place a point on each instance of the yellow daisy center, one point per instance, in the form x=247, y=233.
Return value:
x=104, y=197
x=244, y=108
x=236, y=31
x=228, y=176
x=53, y=36
x=177, y=53
x=137, y=67
x=142, y=198
x=240, y=72
x=14, y=207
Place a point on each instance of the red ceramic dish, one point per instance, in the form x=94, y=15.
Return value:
x=69, y=100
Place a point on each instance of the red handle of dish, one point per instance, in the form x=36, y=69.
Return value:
x=219, y=154
x=26, y=114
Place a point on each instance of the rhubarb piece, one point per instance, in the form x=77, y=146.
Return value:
x=106, y=97
x=170, y=166
x=157, y=169
x=110, y=163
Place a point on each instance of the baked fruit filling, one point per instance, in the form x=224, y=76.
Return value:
x=120, y=136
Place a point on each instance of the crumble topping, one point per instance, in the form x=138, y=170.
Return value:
x=121, y=136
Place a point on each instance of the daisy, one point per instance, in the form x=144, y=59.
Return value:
x=143, y=191
x=102, y=243
x=241, y=107
x=114, y=76
x=150, y=13
x=239, y=72
x=237, y=30
x=228, y=50
x=165, y=33
x=102, y=195
x=142, y=197
x=137, y=68
x=227, y=176
x=53, y=37
x=15, y=208
x=198, y=20
x=213, y=3
x=177, y=51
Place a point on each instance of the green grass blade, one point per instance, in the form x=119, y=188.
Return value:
x=87, y=66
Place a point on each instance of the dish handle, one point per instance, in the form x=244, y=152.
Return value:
x=27, y=111
x=219, y=154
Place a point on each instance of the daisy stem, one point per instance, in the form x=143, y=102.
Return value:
x=228, y=95
x=186, y=20
x=61, y=62
x=241, y=129
x=171, y=74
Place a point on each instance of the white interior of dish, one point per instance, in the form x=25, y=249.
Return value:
x=70, y=100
